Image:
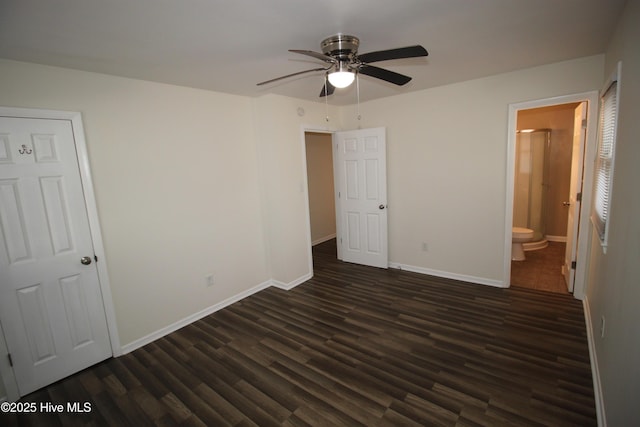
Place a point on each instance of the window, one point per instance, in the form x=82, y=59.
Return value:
x=605, y=156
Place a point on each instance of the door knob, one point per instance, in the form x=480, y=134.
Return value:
x=85, y=260
x=381, y=207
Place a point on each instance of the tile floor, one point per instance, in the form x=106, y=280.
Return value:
x=542, y=270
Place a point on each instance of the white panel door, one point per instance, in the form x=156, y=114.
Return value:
x=575, y=187
x=362, y=196
x=51, y=305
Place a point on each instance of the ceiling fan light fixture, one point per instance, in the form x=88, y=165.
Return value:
x=341, y=76
x=341, y=79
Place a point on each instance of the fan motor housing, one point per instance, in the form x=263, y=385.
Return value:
x=340, y=46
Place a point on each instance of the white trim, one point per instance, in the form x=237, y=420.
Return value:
x=127, y=348
x=288, y=286
x=337, y=200
x=595, y=371
x=323, y=239
x=591, y=98
x=560, y=239
x=449, y=275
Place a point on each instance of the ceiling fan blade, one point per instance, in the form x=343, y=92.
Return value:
x=328, y=87
x=317, y=55
x=291, y=75
x=386, y=75
x=399, y=53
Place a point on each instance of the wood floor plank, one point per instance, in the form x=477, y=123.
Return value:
x=281, y=393
x=227, y=411
x=152, y=407
x=352, y=346
x=322, y=392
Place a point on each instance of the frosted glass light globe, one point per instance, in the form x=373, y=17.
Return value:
x=341, y=79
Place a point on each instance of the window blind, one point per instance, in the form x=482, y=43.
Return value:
x=605, y=158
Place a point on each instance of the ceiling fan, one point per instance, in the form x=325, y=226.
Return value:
x=340, y=52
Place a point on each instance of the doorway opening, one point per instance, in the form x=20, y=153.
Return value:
x=321, y=192
x=320, y=184
x=549, y=191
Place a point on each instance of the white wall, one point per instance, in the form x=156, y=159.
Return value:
x=614, y=280
x=280, y=139
x=177, y=185
x=447, y=150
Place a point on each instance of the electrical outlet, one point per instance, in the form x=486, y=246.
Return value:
x=209, y=280
x=602, y=327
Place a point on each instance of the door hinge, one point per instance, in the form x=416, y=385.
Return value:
x=579, y=197
x=10, y=359
x=573, y=265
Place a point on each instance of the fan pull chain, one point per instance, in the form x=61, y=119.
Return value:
x=326, y=101
x=358, y=96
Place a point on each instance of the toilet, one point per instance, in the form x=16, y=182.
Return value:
x=519, y=235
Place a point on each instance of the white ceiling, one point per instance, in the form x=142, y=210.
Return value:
x=230, y=45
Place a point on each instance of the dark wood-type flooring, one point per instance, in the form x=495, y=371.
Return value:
x=353, y=346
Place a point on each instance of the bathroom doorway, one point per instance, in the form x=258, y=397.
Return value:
x=543, y=172
x=543, y=168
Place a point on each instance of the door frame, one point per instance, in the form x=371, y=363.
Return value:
x=592, y=100
x=573, y=229
x=75, y=119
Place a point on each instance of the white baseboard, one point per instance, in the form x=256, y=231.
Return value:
x=448, y=275
x=293, y=284
x=595, y=371
x=556, y=238
x=127, y=348
x=323, y=239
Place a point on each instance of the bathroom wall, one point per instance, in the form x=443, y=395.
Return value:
x=558, y=118
x=322, y=207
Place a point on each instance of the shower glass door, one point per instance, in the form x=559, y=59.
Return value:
x=531, y=184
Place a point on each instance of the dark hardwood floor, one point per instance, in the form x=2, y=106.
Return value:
x=352, y=346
